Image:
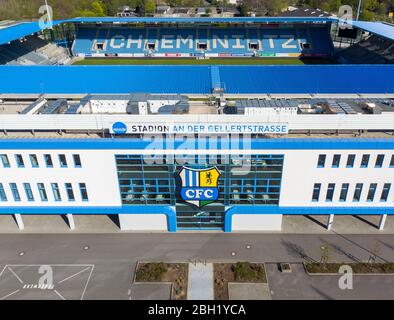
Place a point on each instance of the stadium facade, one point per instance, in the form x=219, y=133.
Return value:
x=206, y=147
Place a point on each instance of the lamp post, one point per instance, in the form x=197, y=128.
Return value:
x=358, y=9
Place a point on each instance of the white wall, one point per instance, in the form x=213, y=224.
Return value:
x=143, y=222
x=256, y=222
x=300, y=173
x=98, y=172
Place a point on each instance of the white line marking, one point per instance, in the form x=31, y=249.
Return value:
x=3, y=270
x=72, y=276
x=86, y=285
x=16, y=276
x=2, y=298
x=61, y=297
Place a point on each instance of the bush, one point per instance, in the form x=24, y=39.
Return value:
x=245, y=271
x=151, y=271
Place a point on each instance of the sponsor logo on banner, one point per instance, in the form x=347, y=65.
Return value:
x=119, y=128
x=172, y=54
x=199, y=186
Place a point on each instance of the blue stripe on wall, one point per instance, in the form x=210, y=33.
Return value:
x=171, y=214
x=256, y=144
x=137, y=209
x=246, y=209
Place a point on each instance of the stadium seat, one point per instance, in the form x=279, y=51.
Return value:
x=212, y=41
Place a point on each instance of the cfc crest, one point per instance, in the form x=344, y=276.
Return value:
x=199, y=186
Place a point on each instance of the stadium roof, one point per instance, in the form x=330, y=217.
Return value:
x=20, y=30
x=24, y=29
x=199, y=20
x=379, y=28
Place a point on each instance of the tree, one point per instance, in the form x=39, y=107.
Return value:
x=149, y=7
x=244, y=9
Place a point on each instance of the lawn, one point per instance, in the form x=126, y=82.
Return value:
x=189, y=61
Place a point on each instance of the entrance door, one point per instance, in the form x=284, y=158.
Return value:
x=209, y=217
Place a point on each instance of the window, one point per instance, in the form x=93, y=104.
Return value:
x=33, y=160
x=77, y=161
x=330, y=192
x=379, y=161
x=254, y=46
x=371, y=192
x=385, y=192
x=84, y=192
x=48, y=160
x=42, y=191
x=98, y=46
x=357, y=192
x=5, y=161
x=336, y=160
x=56, y=192
x=70, y=192
x=350, y=160
x=63, y=160
x=344, y=191
x=321, y=161
x=365, y=160
x=15, y=192
x=19, y=161
x=151, y=46
x=316, y=192
x=3, y=196
x=392, y=161
x=28, y=192
x=201, y=46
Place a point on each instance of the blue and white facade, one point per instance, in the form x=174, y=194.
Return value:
x=119, y=176
x=203, y=169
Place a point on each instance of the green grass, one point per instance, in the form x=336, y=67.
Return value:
x=151, y=271
x=249, y=272
x=188, y=61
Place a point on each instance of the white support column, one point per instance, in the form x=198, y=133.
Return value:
x=71, y=222
x=330, y=222
x=382, y=221
x=19, y=221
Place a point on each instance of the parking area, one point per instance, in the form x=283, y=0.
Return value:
x=44, y=282
x=299, y=285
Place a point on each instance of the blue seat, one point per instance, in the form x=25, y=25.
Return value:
x=270, y=40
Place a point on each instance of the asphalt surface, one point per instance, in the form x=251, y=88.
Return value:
x=107, y=262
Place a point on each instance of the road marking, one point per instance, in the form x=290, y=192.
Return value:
x=87, y=282
x=72, y=276
x=52, y=265
x=16, y=276
x=10, y=294
x=63, y=298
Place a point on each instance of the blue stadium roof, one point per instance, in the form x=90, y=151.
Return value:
x=20, y=30
x=381, y=29
x=24, y=29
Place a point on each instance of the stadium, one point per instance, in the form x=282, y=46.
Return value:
x=177, y=124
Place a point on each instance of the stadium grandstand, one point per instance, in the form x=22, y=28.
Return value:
x=281, y=37
x=226, y=41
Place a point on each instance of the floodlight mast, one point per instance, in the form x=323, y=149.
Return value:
x=49, y=13
x=358, y=9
